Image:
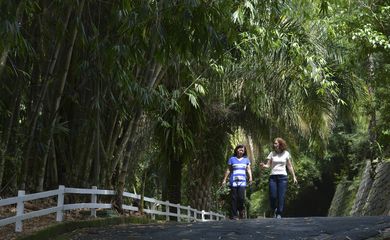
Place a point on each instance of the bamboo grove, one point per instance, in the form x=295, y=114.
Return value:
x=148, y=95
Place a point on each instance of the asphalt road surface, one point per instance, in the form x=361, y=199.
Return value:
x=318, y=228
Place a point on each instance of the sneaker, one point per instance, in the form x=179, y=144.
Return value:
x=278, y=216
x=241, y=214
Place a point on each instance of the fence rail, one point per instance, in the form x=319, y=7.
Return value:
x=152, y=206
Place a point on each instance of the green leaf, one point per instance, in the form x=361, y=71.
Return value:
x=193, y=100
x=199, y=88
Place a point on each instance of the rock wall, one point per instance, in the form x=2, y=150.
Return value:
x=363, y=192
x=371, y=198
x=379, y=197
x=341, y=202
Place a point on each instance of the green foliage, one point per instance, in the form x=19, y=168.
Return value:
x=371, y=38
x=307, y=171
x=346, y=154
x=362, y=28
x=259, y=204
x=223, y=199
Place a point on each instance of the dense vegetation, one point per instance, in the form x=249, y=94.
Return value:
x=150, y=96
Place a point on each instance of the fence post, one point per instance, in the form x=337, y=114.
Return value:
x=211, y=215
x=60, y=203
x=167, y=210
x=195, y=215
x=153, y=207
x=19, y=211
x=178, y=213
x=93, y=200
x=188, y=214
x=203, y=216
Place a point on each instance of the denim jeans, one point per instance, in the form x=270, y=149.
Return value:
x=238, y=200
x=277, y=191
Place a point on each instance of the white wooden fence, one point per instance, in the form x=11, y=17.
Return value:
x=151, y=206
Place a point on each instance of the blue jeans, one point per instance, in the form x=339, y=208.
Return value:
x=277, y=191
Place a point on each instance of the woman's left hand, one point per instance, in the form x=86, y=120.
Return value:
x=295, y=180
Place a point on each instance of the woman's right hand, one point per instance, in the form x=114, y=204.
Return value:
x=262, y=165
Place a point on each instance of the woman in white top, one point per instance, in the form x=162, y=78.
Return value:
x=278, y=160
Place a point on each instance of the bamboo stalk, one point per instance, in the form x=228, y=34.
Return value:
x=39, y=104
x=41, y=172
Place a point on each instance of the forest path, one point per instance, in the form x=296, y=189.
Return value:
x=355, y=228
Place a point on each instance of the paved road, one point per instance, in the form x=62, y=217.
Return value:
x=318, y=228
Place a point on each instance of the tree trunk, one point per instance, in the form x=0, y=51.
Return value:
x=106, y=172
x=201, y=195
x=199, y=192
x=174, y=183
x=118, y=200
x=3, y=60
x=118, y=156
x=372, y=115
x=96, y=169
x=150, y=84
x=88, y=161
x=251, y=149
x=142, y=202
x=54, y=169
x=5, y=143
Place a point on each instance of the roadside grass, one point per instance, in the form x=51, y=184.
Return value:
x=63, y=231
